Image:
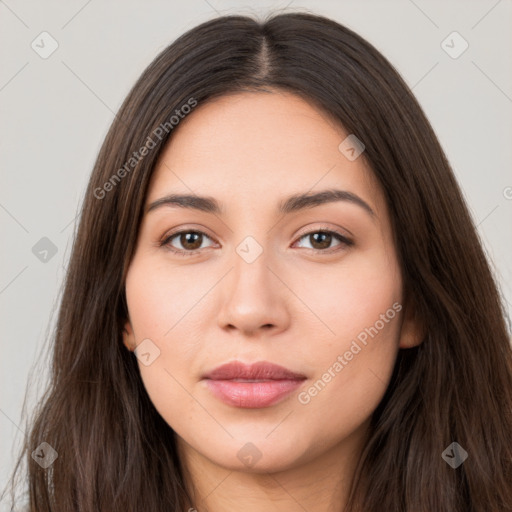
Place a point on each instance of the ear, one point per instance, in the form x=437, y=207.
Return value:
x=412, y=332
x=128, y=336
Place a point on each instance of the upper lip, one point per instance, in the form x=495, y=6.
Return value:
x=262, y=370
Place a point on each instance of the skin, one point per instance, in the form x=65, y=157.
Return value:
x=295, y=305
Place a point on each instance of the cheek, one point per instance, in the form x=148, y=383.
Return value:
x=356, y=346
x=160, y=300
x=352, y=297
x=165, y=307
x=154, y=308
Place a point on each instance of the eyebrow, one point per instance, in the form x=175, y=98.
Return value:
x=293, y=203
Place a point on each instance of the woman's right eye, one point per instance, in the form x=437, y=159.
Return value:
x=190, y=241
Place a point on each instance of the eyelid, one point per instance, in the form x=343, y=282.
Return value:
x=324, y=228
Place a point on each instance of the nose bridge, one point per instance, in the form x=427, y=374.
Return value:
x=253, y=296
x=251, y=267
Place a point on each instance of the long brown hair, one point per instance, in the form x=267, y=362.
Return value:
x=116, y=453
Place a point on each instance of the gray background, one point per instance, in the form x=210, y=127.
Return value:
x=56, y=111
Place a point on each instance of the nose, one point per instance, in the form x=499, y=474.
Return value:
x=254, y=299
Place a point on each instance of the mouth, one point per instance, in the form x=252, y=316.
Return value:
x=252, y=386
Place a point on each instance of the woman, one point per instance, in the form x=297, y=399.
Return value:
x=277, y=299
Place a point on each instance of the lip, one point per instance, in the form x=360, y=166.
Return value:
x=252, y=386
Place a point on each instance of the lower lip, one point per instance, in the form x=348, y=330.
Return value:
x=252, y=395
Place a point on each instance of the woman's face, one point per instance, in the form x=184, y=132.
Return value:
x=240, y=271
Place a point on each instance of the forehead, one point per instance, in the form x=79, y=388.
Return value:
x=256, y=146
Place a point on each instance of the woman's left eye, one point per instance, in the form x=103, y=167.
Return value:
x=321, y=240
x=191, y=241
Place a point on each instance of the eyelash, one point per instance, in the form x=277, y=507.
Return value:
x=341, y=238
